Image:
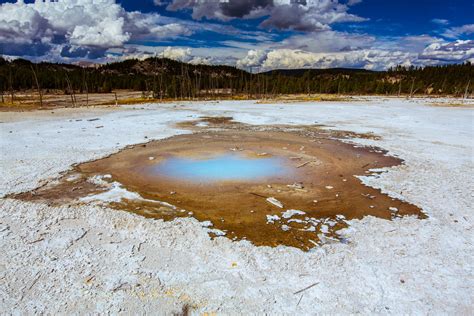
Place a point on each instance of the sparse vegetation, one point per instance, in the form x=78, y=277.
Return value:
x=165, y=79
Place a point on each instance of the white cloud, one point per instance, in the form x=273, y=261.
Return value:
x=368, y=58
x=456, y=32
x=328, y=41
x=315, y=15
x=198, y=60
x=107, y=33
x=254, y=58
x=353, y=2
x=405, y=51
x=457, y=51
x=104, y=31
x=96, y=24
x=22, y=26
x=304, y=15
x=180, y=54
x=440, y=21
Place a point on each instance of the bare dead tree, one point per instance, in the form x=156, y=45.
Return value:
x=2, y=84
x=161, y=77
x=70, y=90
x=84, y=82
x=181, y=83
x=147, y=94
x=467, y=89
x=37, y=86
x=10, y=79
x=155, y=60
x=198, y=82
x=412, y=87
x=250, y=83
x=338, y=85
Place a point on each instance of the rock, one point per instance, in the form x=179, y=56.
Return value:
x=291, y=213
x=272, y=218
x=296, y=186
x=275, y=202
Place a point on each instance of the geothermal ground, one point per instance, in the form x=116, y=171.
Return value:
x=62, y=256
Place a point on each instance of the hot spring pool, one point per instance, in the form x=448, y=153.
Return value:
x=227, y=167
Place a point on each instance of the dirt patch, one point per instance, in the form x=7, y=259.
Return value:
x=300, y=208
x=453, y=104
x=29, y=100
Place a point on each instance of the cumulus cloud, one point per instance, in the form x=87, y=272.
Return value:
x=457, y=51
x=311, y=16
x=223, y=9
x=408, y=51
x=300, y=15
x=103, y=30
x=295, y=59
x=87, y=23
x=177, y=53
x=187, y=55
x=80, y=27
x=254, y=58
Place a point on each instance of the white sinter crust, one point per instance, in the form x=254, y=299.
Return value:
x=92, y=259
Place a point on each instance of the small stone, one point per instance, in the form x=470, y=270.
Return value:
x=295, y=186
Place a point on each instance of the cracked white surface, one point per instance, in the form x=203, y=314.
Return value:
x=92, y=259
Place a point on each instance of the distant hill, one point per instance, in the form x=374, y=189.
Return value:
x=165, y=78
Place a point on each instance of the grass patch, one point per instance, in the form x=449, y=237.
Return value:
x=306, y=98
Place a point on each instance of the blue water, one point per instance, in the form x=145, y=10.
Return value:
x=229, y=167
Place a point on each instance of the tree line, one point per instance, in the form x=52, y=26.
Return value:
x=161, y=78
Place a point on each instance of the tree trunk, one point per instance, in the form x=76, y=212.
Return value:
x=37, y=86
x=467, y=89
x=412, y=86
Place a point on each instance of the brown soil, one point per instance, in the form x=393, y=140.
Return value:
x=322, y=183
x=29, y=101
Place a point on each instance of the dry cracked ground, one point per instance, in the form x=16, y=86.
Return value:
x=89, y=258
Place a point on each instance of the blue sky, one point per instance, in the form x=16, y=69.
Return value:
x=257, y=35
